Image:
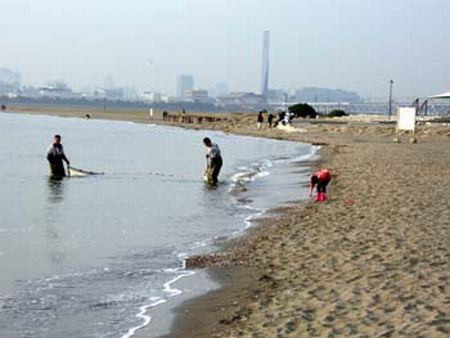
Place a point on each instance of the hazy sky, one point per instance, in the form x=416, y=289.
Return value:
x=353, y=44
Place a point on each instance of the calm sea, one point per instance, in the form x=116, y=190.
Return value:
x=102, y=256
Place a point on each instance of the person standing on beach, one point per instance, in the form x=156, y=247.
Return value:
x=214, y=161
x=260, y=119
x=287, y=119
x=281, y=115
x=270, y=120
x=56, y=156
x=321, y=178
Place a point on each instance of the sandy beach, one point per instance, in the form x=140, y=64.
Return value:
x=373, y=261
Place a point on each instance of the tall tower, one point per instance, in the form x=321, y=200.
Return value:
x=185, y=83
x=265, y=66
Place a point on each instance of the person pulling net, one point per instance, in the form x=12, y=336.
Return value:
x=214, y=162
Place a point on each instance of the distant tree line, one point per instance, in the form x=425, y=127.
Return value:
x=304, y=110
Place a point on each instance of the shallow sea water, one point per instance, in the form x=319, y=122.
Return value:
x=93, y=256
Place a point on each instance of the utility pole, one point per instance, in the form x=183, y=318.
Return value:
x=390, y=98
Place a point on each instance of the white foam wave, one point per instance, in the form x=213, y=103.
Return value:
x=202, y=244
x=172, y=292
x=155, y=301
x=304, y=157
x=249, y=219
x=261, y=174
x=245, y=175
x=268, y=163
x=169, y=292
x=262, y=168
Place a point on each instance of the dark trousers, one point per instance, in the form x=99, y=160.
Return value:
x=322, y=186
x=215, y=166
x=57, y=168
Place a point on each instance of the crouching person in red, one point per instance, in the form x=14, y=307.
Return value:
x=321, y=179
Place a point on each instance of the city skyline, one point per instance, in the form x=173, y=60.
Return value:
x=354, y=45
x=184, y=83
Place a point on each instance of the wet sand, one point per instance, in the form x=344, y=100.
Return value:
x=373, y=261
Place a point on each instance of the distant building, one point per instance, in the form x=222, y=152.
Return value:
x=98, y=93
x=197, y=95
x=130, y=93
x=9, y=82
x=7, y=89
x=114, y=93
x=153, y=97
x=265, y=66
x=56, y=90
x=30, y=91
x=314, y=95
x=185, y=83
x=169, y=99
x=243, y=100
x=277, y=96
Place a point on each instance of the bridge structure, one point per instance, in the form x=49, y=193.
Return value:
x=432, y=107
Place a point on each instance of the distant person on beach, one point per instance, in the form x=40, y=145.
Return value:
x=281, y=116
x=213, y=159
x=270, y=120
x=165, y=115
x=287, y=119
x=56, y=156
x=320, y=179
x=260, y=119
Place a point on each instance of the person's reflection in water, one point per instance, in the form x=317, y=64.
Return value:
x=56, y=189
x=53, y=235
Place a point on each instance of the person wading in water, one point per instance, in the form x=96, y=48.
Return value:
x=55, y=157
x=214, y=161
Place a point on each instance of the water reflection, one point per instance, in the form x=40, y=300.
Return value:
x=56, y=188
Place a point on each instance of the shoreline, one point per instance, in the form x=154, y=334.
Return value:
x=240, y=281
x=372, y=261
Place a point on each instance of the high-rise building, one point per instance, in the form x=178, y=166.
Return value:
x=185, y=83
x=9, y=81
x=265, y=66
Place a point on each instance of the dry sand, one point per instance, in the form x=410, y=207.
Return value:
x=373, y=261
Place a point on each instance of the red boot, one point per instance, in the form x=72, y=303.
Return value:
x=324, y=196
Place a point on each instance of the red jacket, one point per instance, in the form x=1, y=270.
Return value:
x=323, y=175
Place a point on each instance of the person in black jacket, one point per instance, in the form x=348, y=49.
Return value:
x=270, y=120
x=56, y=156
x=260, y=119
